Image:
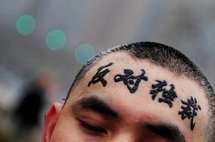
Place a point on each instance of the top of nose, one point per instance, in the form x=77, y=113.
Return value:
x=124, y=137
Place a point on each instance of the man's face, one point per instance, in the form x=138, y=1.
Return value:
x=121, y=99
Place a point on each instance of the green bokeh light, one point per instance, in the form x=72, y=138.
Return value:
x=55, y=39
x=25, y=25
x=84, y=52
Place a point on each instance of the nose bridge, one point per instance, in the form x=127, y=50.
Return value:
x=124, y=137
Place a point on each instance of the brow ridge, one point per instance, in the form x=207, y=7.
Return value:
x=97, y=105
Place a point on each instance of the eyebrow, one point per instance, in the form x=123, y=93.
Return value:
x=167, y=131
x=96, y=105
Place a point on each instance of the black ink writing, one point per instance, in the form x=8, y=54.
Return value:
x=99, y=76
x=189, y=110
x=167, y=95
x=131, y=81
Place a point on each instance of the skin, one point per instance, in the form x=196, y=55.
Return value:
x=136, y=113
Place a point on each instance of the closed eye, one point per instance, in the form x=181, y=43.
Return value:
x=93, y=129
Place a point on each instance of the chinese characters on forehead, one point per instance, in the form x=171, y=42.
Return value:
x=161, y=89
x=99, y=76
x=131, y=81
x=168, y=95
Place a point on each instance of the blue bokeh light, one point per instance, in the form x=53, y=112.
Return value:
x=84, y=52
x=25, y=25
x=55, y=40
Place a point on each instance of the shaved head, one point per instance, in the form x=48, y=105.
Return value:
x=147, y=92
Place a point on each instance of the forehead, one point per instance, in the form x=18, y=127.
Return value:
x=122, y=61
x=140, y=103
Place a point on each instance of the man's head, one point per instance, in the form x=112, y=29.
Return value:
x=135, y=93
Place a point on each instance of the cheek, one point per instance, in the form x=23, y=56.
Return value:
x=63, y=133
x=65, y=136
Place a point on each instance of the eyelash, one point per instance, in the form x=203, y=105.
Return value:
x=92, y=129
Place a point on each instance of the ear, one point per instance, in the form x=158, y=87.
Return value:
x=50, y=121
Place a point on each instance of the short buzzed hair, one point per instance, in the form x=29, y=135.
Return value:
x=165, y=57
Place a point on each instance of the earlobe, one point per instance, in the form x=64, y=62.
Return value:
x=50, y=121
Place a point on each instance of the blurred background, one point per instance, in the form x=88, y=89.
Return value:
x=43, y=44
